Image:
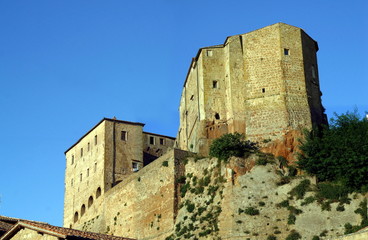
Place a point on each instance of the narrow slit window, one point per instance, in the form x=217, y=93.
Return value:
x=214, y=84
x=162, y=141
x=192, y=97
x=124, y=135
x=81, y=152
x=96, y=140
x=88, y=147
x=72, y=159
x=263, y=90
x=152, y=140
x=217, y=116
x=286, y=51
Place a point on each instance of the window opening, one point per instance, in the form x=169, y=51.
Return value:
x=95, y=167
x=80, y=177
x=95, y=139
x=81, y=152
x=83, y=209
x=135, y=167
x=75, y=217
x=98, y=192
x=313, y=72
x=72, y=159
x=90, y=201
x=286, y=51
x=214, y=84
x=209, y=53
x=88, y=147
x=124, y=135
x=192, y=97
x=162, y=141
x=152, y=140
x=217, y=116
x=87, y=172
x=263, y=90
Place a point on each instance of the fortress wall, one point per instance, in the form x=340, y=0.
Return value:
x=142, y=206
x=79, y=189
x=265, y=91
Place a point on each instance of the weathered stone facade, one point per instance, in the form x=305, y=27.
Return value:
x=263, y=84
x=105, y=156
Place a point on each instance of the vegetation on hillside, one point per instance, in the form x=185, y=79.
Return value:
x=338, y=153
x=231, y=144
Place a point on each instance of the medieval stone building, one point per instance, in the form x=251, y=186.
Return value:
x=262, y=83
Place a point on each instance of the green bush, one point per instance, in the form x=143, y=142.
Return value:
x=165, y=163
x=294, y=235
x=291, y=219
x=231, y=144
x=190, y=207
x=251, y=211
x=271, y=237
x=308, y=200
x=300, y=190
x=338, y=153
x=315, y=238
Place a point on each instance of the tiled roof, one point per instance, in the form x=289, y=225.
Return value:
x=10, y=226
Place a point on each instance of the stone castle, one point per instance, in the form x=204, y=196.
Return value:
x=121, y=180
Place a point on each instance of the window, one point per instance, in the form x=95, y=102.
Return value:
x=80, y=177
x=152, y=140
x=83, y=209
x=162, y=141
x=124, y=135
x=95, y=167
x=209, y=53
x=135, y=167
x=263, y=90
x=75, y=217
x=90, y=201
x=286, y=51
x=192, y=97
x=95, y=139
x=87, y=172
x=81, y=152
x=88, y=147
x=72, y=159
x=214, y=84
x=217, y=116
x=98, y=192
x=313, y=72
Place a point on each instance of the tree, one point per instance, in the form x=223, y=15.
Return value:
x=231, y=144
x=338, y=153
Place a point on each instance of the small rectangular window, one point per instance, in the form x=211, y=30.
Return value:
x=263, y=90
x=135, y=167
x=152, y=140
x=81, y=152
x=96, y=140
x=286, y=51
x=87, y=172
x=81, y=177
x=95, y=167
x=72, y=159
x=162, y=141
x=88, y=147
x=124, y=135
x=209, y=53
x=214, y=84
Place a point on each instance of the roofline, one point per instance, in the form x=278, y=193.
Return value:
x=104, y=119
x=21, y=225
x=159, y=135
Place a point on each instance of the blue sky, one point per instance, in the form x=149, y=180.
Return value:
x=64, y=65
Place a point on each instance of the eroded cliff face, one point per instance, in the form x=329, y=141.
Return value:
x=242, y=200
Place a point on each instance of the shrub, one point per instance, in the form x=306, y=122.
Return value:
x=283, y=180
x=190, y=207
x=291, y=219
x=165, y=163
x=294, y=235
x=308, y=200
x=315, y=238
x=300, y=190
x=231, y=144
x=251, y=211
x=271, y=237
x=284, y=203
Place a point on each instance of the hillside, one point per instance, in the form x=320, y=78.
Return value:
x=243, y=200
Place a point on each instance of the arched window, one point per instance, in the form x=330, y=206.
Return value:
x=90, y=201
x=83, y=209
x=75, y=217
x=98, y=192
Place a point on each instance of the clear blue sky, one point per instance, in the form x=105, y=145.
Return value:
x=64, y=65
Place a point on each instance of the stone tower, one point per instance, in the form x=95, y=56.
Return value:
x=262, y=83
